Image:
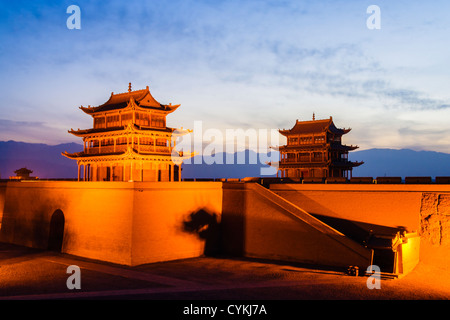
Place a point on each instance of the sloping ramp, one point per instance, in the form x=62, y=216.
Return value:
x=261, y=224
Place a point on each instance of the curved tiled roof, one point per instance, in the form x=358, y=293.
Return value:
x=314, y=126
x=142, y=98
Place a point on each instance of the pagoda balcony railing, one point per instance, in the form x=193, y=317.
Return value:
x=302, y=160
x=123, y=147
x=303, y=144
x=150, y=148
x=312, y=159
x=107, y=149
x=343, y=162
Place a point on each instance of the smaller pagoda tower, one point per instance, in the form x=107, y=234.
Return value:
x=23, y=174
x=314, y=149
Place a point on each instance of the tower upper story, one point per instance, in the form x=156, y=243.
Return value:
x=313, y=132
x=136, y=107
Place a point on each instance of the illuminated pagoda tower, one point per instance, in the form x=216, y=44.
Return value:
x=314, y=150
x=129, y=141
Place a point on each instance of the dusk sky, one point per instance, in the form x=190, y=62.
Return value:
x=232, y=64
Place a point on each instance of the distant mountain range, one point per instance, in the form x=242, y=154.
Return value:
x=47, y=162
x=400, y=163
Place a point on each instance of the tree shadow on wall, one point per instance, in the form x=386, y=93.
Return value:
x=207, y=227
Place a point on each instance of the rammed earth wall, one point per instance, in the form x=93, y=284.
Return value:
x=435, y=218
x=421, y=208
x=142, y=222
x=121, y=222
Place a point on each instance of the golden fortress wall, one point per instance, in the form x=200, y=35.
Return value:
x=134, y=223
x=424, y=208
x=122, y=222
x=257, y=223
x=387, y=205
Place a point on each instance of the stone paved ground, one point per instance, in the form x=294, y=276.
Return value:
x=29, y=274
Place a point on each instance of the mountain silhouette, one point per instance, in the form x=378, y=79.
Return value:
x=239, y=165
x=47, y=162
x=400, y=163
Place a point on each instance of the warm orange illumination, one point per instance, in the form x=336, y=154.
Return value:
x=407, y=248
x=314, y=150
x=129, y=141
x=23, y=174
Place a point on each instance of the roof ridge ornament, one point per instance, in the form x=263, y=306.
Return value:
x=129, y=87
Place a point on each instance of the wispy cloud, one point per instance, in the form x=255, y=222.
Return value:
x=229, y=63
x=33, y=132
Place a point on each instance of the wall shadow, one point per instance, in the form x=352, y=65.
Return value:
x=372, y=236
x=56, y=231
x=207, y=227
x=233, y=219
x=361, y=232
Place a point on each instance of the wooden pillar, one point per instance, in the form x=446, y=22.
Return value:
x=79, y=167
x=139, y=144
x=131, y=170
x=172, y=177
x=179, y=172
x=111, y=175
x=115, y=144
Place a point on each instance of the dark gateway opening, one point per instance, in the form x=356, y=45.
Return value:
x=56, y=234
